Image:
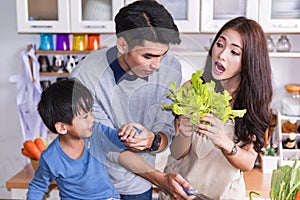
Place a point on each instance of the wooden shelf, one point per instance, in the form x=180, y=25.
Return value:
x=53, y=74
x=284, y=54
x=61, y=52
x=202, y=53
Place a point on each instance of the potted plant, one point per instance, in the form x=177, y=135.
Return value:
x=269, y=159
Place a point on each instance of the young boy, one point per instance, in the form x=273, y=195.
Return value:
x=65, y=108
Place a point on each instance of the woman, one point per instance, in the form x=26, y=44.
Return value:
x=213, y=157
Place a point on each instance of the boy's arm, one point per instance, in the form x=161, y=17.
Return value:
x=110, y=133
x=170, y=182
x=40, y=182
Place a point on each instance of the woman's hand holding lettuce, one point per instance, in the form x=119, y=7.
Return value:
x=198, y=99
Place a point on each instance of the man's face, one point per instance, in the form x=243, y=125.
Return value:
x=142, y=61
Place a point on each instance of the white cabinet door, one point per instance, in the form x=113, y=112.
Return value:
x=277, y=16
x=42, y=16
x=215, y=13
x=186, y=13
x=94, y=16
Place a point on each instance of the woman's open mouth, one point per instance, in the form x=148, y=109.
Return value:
x=219, y=67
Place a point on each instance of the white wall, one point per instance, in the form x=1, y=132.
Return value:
x=11, y=160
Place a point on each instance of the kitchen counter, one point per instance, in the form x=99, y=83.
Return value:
x=18, y=184
x=255, y=181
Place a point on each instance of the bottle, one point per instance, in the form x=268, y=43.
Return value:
x=271, y=45
x=290, y=142
x=291, y=100
x=283, y=44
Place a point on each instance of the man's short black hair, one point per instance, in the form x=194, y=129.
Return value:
x=146, y=20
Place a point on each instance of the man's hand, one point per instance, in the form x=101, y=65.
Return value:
x=173, y=184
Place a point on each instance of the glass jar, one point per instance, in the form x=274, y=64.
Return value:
x=290, y=104
x=283, y=44
x=271, y=45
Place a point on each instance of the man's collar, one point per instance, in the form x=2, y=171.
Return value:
x=119, y=72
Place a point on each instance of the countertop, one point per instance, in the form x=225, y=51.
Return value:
x=255, y=181
x=23, y=178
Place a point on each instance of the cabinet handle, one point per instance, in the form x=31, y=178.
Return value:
x=41, y=26
x=285, y=26
x=91, y=26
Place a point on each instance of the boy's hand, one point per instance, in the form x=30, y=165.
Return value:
x=129, y=131
x=136, y=136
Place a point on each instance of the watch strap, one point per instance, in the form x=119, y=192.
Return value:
x=156, y=142
x=234, y=150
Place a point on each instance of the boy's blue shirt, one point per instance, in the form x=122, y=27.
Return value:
x=83, y=178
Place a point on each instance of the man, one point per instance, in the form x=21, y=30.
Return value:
x=129, y=83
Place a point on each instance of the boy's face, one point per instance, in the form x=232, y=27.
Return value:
x=82, y=124
x=142, y=61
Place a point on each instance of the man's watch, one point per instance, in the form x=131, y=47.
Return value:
x=156, y=143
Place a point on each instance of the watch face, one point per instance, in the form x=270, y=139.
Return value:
x=234, y=150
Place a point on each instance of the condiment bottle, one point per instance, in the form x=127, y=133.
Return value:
x=290, y=142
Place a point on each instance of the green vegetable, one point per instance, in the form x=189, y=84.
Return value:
x=285, y=182
x=252, y=192
x=198, y=99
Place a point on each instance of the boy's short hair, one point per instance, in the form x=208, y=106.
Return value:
x=62, y=101
x=146, y=20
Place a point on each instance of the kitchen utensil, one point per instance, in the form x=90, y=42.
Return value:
x=58, y=64
x=45, y=84
x=44, y=63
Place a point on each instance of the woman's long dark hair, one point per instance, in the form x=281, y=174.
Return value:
x=255, y=91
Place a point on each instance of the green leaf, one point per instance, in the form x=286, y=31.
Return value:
x=198, y=99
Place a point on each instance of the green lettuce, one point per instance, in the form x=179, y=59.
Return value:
x=198, y=99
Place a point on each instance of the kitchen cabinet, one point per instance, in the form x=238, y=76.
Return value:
x=67, y=16
x=94, y=16
x=186, y=13
x=278, y=16
x=287, y=156
x=43, y=16
x=215, y=13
